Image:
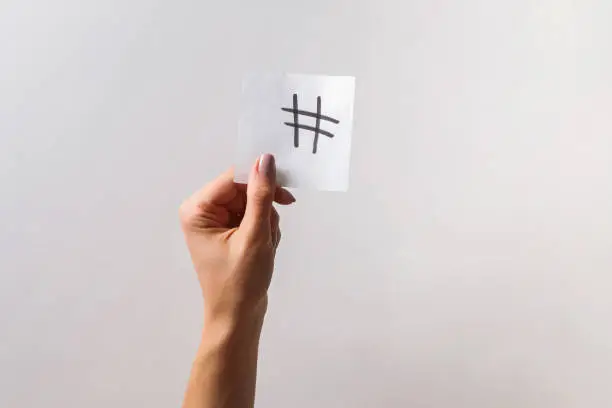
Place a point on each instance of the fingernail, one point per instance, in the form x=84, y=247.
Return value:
x=291, y=196
x=267, y=165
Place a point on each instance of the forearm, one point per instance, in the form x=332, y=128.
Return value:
x=224, y=370
x=232, y=233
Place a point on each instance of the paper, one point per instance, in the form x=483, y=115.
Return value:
x=305, y=121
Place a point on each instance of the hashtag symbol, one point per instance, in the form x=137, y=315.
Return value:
x=316, y=129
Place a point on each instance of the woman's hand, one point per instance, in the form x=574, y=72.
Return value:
x=232, y=231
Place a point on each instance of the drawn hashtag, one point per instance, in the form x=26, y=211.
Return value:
x=316, y=129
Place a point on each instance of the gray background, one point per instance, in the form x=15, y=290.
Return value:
x=469, y=265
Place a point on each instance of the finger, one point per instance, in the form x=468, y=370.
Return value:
x=260, y=195
x=274, y=226
x=281, y=195
x=278, y=238
x=215, y=200
x=219, y=191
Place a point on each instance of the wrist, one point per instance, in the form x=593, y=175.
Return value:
x=237, y=326
x=235, y=315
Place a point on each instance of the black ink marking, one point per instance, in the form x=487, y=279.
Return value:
x=312, y=128
x=296, y=131
x=311, y=114
x=316, y=129
x=317, y=126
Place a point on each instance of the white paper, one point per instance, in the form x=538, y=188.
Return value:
x=266, y=128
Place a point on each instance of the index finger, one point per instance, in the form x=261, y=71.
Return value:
x=220, y=191
x=282, y=196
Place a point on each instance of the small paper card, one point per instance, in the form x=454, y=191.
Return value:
x=305, y=121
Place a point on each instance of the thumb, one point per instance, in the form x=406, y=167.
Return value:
x=260, y=195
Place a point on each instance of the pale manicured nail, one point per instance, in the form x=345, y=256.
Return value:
x=291, y=196
x=267, y=166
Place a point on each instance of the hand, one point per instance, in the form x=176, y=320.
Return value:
x=232, y=231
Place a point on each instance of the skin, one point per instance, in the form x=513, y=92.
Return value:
x=232, y=232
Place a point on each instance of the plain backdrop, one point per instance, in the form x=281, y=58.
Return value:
x=468, y=266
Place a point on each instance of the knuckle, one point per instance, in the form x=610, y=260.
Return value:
x=183, y=212
x=279, y=237
x=187, y=213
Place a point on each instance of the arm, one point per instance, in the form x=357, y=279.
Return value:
x=224, y=370
x=232, y=232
